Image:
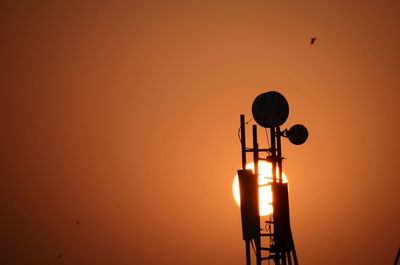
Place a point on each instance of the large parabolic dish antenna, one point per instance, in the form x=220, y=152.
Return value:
x=270, y=109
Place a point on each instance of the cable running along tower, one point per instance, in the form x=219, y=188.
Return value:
x=271, y=239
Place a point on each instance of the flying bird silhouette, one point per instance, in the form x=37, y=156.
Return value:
x=313, y=40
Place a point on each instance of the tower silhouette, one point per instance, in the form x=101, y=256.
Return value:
x=271, y=237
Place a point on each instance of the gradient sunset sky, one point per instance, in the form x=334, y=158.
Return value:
x=124, y=116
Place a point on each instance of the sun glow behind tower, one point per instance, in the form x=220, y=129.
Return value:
x=264, y=190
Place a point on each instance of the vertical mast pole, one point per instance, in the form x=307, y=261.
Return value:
x=255, y=159
x=243, y=141
x=243, y=144
x=279, y=151
x=273, y=153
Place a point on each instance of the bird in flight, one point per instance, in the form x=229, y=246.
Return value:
x=313, y=40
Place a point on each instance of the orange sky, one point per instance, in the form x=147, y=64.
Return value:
x=125, y=116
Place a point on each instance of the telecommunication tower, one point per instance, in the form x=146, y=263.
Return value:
x=272, y=239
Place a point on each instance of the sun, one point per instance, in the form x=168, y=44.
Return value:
x=264, y=192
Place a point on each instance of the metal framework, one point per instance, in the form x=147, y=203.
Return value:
x=274, y=242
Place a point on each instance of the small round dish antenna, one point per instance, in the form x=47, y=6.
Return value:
x=297, y=134
x=270, y=109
